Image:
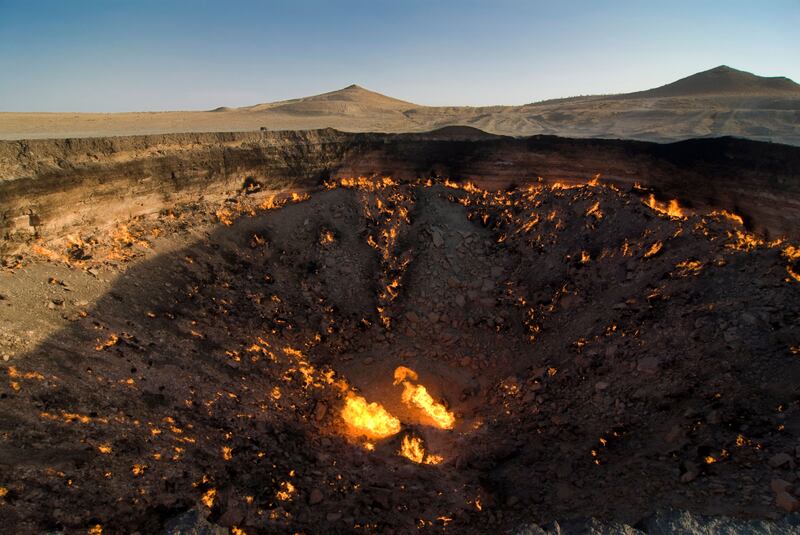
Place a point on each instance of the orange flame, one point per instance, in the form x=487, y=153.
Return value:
x=417, y=395
x=672, y=209
x=208, y=497
x=369, y=419
x=412, y=449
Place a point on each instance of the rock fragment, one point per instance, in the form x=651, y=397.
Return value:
x=648, y=365
x=782, y=460
x=787, y=502
x=315, y=497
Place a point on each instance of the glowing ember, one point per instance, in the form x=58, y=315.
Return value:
x=729, y=216
x=112, y=341
x=595, y=211
x=14, y=374
x=688, y=267
x=792, y=254
x=418, y=396
x=326, y=237
x=369, y=419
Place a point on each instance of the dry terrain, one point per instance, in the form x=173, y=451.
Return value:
x=399, y=358
x=449, y=331
x=718, y=102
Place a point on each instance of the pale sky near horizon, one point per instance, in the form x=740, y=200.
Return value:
x=152, y=55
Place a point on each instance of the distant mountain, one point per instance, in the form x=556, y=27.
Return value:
x=718, y=102
x=351, y=99
x=720, y=81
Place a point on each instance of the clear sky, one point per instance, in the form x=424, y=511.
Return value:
x=114, y=55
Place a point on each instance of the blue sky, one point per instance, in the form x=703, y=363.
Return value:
x=113, y=55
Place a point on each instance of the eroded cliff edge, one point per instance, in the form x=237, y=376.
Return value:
x=49, y=188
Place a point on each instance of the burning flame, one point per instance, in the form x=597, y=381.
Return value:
x=417, y=395
x=369, y=419
x=208, y=498
x=736, y=218
x=286, y=492
x=369, y=184
x=412, y=449
x=654, y=249
x=671, y=209
x=792, y=254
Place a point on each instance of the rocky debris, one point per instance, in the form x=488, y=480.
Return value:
x=787, y=502
x=315, y=497
x=668, y=523
x=192, y=522
x=320, y=411
x=582, y=384
x=648, y=365
x=779, y=485
x=782, y=460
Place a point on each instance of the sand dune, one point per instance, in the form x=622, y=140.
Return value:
x=718, y=102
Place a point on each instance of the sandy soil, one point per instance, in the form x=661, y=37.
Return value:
x=718, y=102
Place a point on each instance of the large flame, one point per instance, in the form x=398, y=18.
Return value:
x=369, y=419
x=418, y=396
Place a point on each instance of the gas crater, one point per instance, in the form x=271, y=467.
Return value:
x=393, y=356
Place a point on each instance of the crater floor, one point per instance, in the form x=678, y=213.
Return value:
x=600, y=354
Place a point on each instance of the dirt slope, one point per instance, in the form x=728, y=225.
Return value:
x=600, y=358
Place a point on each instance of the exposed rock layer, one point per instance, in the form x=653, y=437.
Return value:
x=53, y=187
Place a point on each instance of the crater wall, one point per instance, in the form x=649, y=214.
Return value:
x=53, y=187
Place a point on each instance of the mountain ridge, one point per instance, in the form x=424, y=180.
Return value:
x=717, y=102
x=717, y=81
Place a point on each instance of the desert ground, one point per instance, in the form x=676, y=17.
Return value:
x=580, y=354
x=718, y=102
x=245, y=321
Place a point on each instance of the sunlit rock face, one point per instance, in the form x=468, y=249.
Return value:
x=401, y=355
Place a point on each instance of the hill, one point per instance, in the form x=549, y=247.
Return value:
x=718, y=102
x=724, y=80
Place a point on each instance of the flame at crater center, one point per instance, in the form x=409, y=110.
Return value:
x=418, y=396
x=369, y=419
